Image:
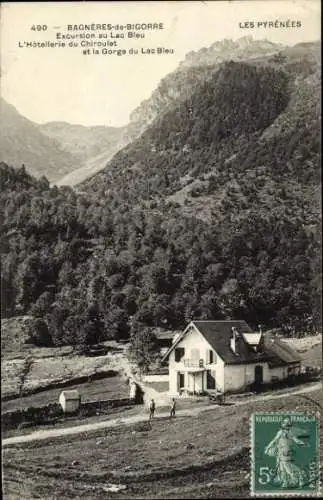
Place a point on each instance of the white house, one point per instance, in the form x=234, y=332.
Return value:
x=226, y=356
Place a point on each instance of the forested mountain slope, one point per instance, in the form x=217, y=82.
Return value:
x=196, y=68
x=212, y=213
x=246, y=134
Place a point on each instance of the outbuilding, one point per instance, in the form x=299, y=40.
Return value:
x=132, y=389
x=70, y=401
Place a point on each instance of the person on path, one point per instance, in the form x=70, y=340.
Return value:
x=152, y=408
x=172, y=408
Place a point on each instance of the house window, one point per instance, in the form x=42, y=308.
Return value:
x=195, y=354
x=211, y=357
x=179, y=353
x=181, y=381
x=210, y=379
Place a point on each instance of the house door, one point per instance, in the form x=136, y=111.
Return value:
x=259, y=374
x=210, y=379
x=181, y=381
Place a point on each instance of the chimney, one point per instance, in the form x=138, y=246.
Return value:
x=260, y=343
x=233, y=340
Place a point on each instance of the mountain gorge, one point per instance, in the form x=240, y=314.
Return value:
x=211, y=213
x=65, y=153
x=93, y=147
x=21, y=142
x=82, y=142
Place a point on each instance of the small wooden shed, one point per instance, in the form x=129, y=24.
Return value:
x=70, y=401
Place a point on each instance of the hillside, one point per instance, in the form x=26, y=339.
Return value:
x=212, y=213
x=92, y=146
x=245, y=162
x=21, y=142
x=92, y=165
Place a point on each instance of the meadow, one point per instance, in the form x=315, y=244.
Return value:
x=202, y=456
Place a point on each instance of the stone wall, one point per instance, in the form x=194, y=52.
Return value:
x=52, y=413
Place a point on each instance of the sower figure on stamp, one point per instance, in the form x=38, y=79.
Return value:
x=288, y=474
x=152, y=408
x=173, y=408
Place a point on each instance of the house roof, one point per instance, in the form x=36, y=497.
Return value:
x=72, y=394
x=279, y=352
x=219, y=333
x=165, y=334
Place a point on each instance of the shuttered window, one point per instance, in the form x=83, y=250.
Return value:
x=211, y=356
x=195, y=354
x=179, y=353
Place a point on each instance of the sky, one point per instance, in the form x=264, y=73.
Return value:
x=63, y=84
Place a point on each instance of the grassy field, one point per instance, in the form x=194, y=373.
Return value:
x=42, y=372
x=107, y=388
x=189, y=457
x=26, y=368
x=304, y=343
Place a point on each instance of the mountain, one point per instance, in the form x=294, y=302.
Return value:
x=196, y=68
x=242, y=49
x=240, y=158
x=94, y=147
x=179, y=85
x=213, y=212
x=248, y=120
x=21, y=142
x=66, y=154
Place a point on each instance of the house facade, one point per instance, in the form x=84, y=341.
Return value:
x=224, y=356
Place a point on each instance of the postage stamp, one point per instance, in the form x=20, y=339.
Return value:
x=285, y=457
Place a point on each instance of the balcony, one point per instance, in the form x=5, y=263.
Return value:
x=194, y=364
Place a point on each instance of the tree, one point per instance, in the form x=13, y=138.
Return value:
x=144, y=348
x=39, y=333
x=93, y=325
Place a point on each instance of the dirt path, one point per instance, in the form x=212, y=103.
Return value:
x=39, y=435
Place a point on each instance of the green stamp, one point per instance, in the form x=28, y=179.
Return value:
x=285, y=454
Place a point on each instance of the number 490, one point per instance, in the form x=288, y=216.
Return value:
x=39, y=27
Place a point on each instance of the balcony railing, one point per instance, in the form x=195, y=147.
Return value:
x=193, y=363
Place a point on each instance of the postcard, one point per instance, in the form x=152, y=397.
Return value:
x=161, y=324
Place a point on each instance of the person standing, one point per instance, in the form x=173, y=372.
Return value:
x=173, y=408
x=152, y=408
